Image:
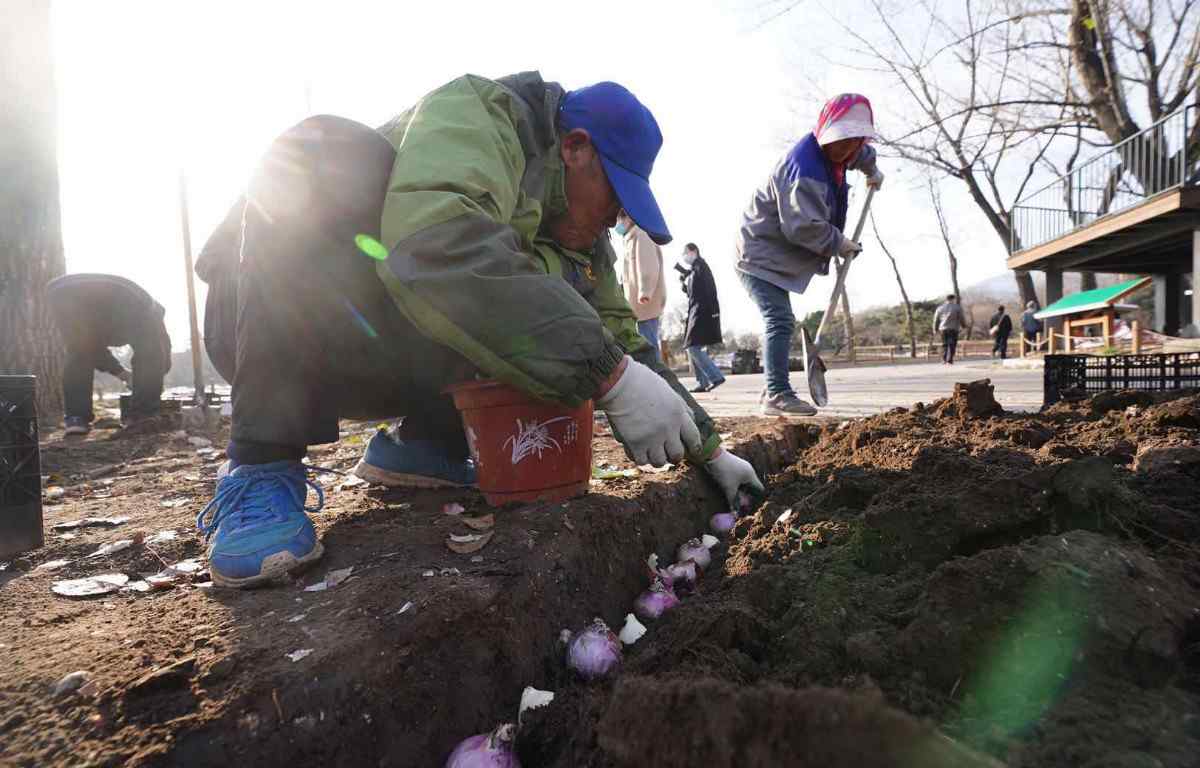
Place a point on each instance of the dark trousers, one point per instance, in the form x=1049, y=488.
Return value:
x=949, y=345
x=150, y=363
x=1001, y=345
x=306, y=332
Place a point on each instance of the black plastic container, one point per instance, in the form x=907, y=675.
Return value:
x=20, y=467
x=1069, y=376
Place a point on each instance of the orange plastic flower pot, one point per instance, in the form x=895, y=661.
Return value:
x=524, y=449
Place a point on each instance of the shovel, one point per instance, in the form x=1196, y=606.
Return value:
x=814, y=366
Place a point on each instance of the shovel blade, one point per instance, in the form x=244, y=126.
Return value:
x=814, y=369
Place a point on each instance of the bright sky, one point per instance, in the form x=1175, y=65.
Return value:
x=149, y=87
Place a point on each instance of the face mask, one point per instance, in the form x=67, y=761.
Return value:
x=621, y=228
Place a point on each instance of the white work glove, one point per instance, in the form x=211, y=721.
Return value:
x=875, y=180
x=731, y=473
x=848, y=249
x=653, y=421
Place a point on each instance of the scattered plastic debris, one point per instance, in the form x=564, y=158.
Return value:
x=91, y=522
x=71, y=683
x=92, y=586
x=297, y=617
x=173, y=503
x=404, y=608
x=114, y=547
x=141, y=585
x=484, y=523
x=427, y=574
x=299, y=654
x=468, y=543
x=53, y=565
x=332, y=579
x=55, y=492
x=350, y=481
x=787, y=515
x=612, y=472
x=161, y=536
x=453, y=508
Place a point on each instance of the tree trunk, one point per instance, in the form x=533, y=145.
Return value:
x=1087, y=281
x=848, y=324
x=1026, y=288
x=31, y=249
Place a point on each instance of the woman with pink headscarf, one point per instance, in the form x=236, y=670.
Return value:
x=794, y=225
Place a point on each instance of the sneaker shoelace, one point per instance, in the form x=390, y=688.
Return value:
x=233, y=493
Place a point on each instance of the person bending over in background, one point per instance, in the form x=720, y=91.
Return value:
x=793, y=227
x=94, y=312
x=368, y=270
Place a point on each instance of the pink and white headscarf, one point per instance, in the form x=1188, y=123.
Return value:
x=846, y=116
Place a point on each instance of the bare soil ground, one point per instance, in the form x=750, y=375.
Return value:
x=952, y=586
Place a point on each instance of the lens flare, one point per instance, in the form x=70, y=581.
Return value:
x=371, y=247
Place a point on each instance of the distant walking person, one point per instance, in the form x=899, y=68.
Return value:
x=1031, y=326
x=703, y=318
x=1000, y=326
x=645, y=283
x=948, y=319
x=93, y=313
x=793, y=228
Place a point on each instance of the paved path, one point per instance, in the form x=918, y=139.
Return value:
x=862, y=391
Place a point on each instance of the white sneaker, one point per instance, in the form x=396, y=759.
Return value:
x=787, y=404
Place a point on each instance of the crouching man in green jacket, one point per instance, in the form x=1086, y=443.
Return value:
x=366, y=270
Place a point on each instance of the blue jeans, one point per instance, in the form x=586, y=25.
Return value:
x=707, y=372
x=775, y=304
x=649, y=331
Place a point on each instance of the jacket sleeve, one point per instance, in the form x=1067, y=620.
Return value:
x=804, y=215
x=865, y=160
x=646, y=260
x=107, y=362
x=614, y=310
x=462, y=262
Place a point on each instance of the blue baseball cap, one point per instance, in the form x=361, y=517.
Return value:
x=627, y=138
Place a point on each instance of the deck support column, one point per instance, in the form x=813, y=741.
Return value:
x=1168, y=289
x=1054, y=292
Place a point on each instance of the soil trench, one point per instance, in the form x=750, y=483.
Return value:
x=946, y=585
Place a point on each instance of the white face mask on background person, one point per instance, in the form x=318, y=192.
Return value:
x=621, y=227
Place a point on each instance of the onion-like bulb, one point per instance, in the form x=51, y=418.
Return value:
x=486, y=750
x=594, y=652
x=655, y=601
x=692, y=549
x=681, y=575
x=722, y=522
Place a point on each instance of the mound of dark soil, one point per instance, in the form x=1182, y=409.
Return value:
x=1028, y=585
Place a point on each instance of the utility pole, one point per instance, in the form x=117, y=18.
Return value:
x=197, y=356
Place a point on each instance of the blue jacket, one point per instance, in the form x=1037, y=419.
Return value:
x=794, y=223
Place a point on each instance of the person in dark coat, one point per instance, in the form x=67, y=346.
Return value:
x=1000, y=327
x=703, y=318
x=94, y=312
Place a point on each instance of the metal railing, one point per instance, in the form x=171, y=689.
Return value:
x=1153, y=161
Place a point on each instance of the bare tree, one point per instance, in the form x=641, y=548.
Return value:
x=935, y=197
x=31, y=250
x=848, y=325
x=996, y=90
x=908, y=311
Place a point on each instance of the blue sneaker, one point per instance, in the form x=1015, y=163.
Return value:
x=256, y=526
x=412, y=463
